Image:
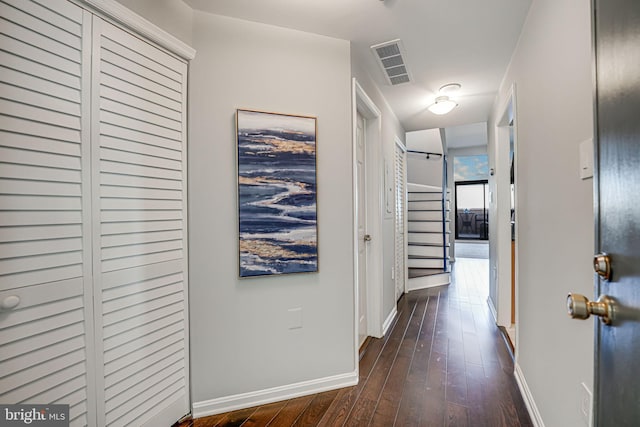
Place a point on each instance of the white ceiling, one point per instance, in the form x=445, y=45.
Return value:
x=471, y=135
x=465, y=41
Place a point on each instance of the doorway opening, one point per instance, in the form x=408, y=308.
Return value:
x=472, y=210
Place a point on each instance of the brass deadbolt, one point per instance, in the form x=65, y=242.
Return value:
x=602, y=265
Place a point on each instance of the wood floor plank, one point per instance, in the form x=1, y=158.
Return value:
x=434, y=405
x=314, y=412
x=292, y=411
x=341, y=406
x=415, y=387
x=456, y=415
x=389, y=400
x=235, y=419
x=264, y=414
x=443, y=362
x=366, y=402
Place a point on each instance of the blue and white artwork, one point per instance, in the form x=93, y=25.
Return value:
x=277, y=193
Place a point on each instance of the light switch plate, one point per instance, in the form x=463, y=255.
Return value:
x=586, y=159
x=586, y=404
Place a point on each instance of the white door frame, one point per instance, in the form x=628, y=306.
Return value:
x=503, y=209
x=362, y=103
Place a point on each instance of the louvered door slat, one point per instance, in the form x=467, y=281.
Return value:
x=42, y=247
x=60, y=13
x=39, y=188
x=138, y=50
x=140, y=216
x=41, y=232
x=71, y=378
x=139, y=170
x=139, y=348
x=139, y=173
x=37, y=356
x=123, y=98
x=137, y=406
x=140, y=193
x=124, y=372
x=147, y=237
x=119, y=56
x=42, y=76
x=19, y=17
x=47, y=58
x=41, y=100
x=36, y=143
x=139, y=157
x=26, y=346
x=400, y=219
x=140, y=147
x=140, y=357
x=36, y=129
x=121, y=85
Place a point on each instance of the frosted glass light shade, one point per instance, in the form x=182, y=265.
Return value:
x=443, y=105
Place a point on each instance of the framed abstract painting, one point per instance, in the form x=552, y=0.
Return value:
x=277, y=203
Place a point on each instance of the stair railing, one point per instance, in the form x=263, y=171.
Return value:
x=444, y=213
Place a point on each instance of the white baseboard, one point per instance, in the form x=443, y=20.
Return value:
x=388, y=321
x=275, y=394
x=536, y=418
x=428, y=281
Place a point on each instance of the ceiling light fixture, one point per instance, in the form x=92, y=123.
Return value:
x=443, y=105
x=450, y=89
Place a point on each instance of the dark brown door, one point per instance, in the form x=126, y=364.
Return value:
x=617, y=44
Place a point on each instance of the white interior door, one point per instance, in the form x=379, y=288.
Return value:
x=139, y=191
x=45, y=247
x=362, y=229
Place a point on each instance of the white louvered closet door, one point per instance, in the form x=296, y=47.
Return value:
x=45, y=247
x=139, y=192
x=400, y=219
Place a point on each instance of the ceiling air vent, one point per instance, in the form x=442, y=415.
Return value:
x=389, y=56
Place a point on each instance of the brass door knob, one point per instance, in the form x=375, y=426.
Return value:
x=579, y=307
x=602, y=265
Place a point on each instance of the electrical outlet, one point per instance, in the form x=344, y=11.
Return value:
x=586, y=400
x=294, y=318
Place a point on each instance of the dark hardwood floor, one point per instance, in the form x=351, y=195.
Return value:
x=443, y=363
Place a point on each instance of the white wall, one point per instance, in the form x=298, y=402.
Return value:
x=551, y=69
x=419, y=169
x=391, y=129
x=240, y=337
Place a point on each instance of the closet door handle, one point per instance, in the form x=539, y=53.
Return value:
x=9, y=303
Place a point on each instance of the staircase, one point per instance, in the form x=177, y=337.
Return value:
x=428, y=237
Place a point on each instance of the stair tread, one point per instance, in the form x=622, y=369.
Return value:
x=429, y=232
x=428, y=257
x=421, y=272
x=436, y=245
